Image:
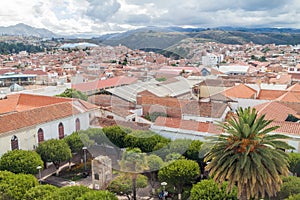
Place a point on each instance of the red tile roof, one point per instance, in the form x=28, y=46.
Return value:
x=290, y=97
x=287, y=127
x=294, y=88
x=187, y=125
x=274, y=111
x=270, y=94
x=21, y=102
x=25, y=110
x=104, y=84
x=240, y=91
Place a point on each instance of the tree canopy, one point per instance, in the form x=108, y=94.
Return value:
x=210, y=190
x=74, y=141
x=40, y=192
x=122, y=184
x=72, y=93
x=21, y=161
x=14, y=186
x=179, y=173
x=116, y=135
x=145, y=140
x=294, y=163
x=55, y=151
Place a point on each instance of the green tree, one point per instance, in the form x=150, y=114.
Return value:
x=144, y=140
x=93, y=135
x=193, y=151
x=40, y=192
x=154, y=163
x=72, y=93
x=179, y=173
x=290, y=186
x=294, y=163
x=116, y=135
x=55, y=151
x=21, y=161
x=14, y=186
x=247, y=155
x=294, y=197
x=97, y=195
x=68, y=193
x=122, y=184
x=133, y=162
x=209, y=190
x=74, y=141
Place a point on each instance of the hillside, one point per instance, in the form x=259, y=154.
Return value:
x=25, y=30
x=173, y=39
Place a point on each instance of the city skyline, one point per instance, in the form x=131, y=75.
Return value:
x=99, y=17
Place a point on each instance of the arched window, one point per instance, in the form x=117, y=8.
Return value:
x=14, y=143
x=61, y=131
x=40, y=135
x=77, y=124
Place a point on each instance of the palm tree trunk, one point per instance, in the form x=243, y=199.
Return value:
x=134, y=186
x=244, y=193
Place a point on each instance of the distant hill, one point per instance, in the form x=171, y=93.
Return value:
x=153, y=37
x=25, y=30
x=171, y=38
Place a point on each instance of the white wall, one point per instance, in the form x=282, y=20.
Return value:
x=27, y=137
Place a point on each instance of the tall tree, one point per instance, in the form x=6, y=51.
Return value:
x=21, y=161
x=122, y=184
x=248, y=156
x=179, y=173
x=55, y=151
x=133, y=162
x=154, y=163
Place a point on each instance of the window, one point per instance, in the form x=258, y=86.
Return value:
x=40, y=135
x=61, y=131
x=77, y=124
x=291, y=69
x=14, y=143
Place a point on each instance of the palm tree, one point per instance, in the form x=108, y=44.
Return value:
x=248, y=156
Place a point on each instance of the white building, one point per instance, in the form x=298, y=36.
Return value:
x=26, y=120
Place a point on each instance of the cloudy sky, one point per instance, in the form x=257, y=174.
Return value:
x=102, y=16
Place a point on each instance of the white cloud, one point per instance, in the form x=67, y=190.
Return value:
x=101, y=16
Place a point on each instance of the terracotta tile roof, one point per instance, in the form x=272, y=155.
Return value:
x=25, y=110
x=270, y=94
x=290, y=97
x=21, y=102
x=204, y=109
x=287, y=127
x=294, y=88
x=187, y=125
x=104, y=84
x=240, y=91
x=274, y=111
x=18, y=120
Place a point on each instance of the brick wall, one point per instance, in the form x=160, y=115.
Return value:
x=152, y=103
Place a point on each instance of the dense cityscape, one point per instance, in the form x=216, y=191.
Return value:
x=148, y=113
